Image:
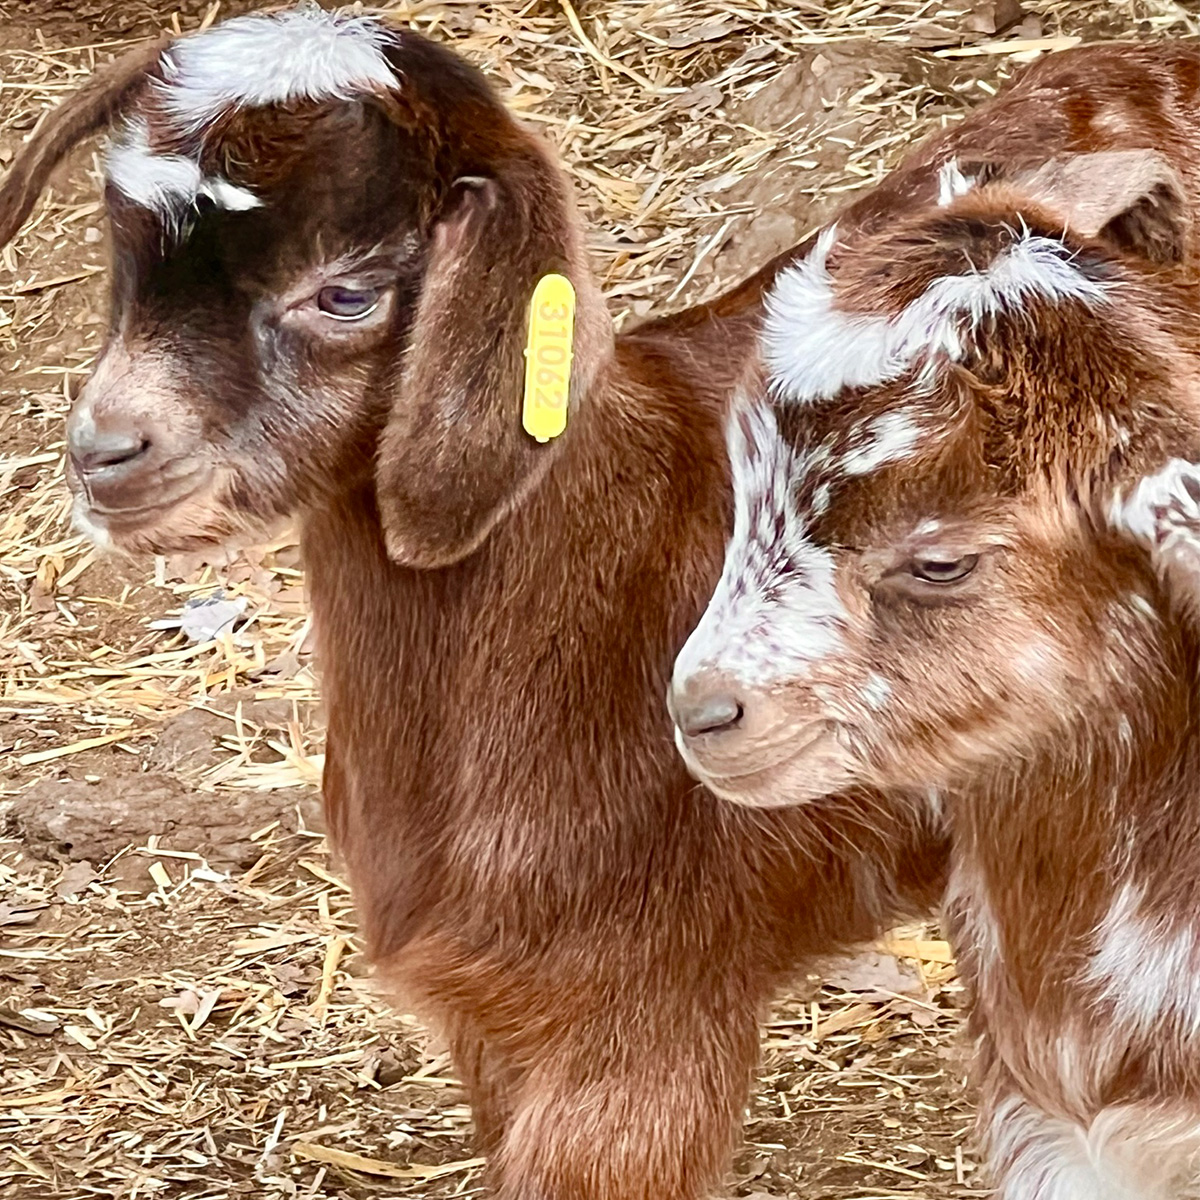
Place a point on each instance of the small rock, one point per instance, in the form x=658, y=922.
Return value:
x=189, y=742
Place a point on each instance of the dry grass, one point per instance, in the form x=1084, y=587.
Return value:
x=172, y=1026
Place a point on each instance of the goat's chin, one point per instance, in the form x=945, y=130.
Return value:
x=194, y=524
x=815, y=771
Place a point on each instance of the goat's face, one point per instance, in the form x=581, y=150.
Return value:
x=923, y=578
x=255, y=330
x=325, y=238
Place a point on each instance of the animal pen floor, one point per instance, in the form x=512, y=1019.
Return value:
x=183, y=1011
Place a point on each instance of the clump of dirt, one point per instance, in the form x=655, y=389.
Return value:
x=95, y=820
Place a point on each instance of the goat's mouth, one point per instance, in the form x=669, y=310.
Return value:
x=812, y=765
x=187, y=515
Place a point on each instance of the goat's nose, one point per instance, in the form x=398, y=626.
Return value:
x=95, y=446
x=711, y=713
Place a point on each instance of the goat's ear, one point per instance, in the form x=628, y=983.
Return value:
x=87, y=110
x=454, y=458
x=1161, y=513
x=1132, y=199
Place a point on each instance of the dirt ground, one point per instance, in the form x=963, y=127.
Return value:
x=183, y=1011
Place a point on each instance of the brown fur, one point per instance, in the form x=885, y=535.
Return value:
x=531, y=863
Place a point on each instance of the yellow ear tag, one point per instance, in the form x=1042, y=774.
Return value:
x=548, y=357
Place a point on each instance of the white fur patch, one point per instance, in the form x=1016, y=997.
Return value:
x=86, y=524
x=952, y=183
x=972, y=922
x=1132, y=1152
x=776, y=610
x=1162, y=509
x=1163, y=515
x=1147, y=967
x=933, y=798
x=167, y=183
x=252, y=61
x=891, y=437
x=814, y=350
x=1039, y=661
x=876, y=691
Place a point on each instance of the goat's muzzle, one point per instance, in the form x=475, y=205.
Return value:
x=747, y=747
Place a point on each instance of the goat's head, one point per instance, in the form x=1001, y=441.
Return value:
x=326, y=234
x=940, y=542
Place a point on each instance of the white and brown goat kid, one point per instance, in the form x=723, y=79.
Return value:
x=963, y=570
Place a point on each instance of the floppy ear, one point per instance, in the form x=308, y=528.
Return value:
x=1132, y=199
x=1161, y=512
x=84, y=112
x=454, y=459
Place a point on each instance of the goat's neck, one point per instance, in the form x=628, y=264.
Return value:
x=1050, y=846
x=1114, y=771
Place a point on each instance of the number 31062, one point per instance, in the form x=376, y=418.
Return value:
x=548, y=357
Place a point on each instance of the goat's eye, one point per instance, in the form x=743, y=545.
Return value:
x=940, y=570
x=347, y=304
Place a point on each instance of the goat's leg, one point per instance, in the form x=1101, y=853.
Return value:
x=488, y=1085
x=633, y=1106
x=1032, y=1155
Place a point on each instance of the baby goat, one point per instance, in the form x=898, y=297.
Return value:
x=326, y=235
x=964, y=569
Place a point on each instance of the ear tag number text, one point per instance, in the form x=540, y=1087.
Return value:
x=548, y=357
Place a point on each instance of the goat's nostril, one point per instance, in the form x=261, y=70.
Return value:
x=107, y=449
x=712, y=714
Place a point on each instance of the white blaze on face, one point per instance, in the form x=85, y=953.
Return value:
x=253, y=61
x=776, y=611
x=891, y=437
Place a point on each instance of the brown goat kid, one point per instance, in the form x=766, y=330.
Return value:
x=965, y=564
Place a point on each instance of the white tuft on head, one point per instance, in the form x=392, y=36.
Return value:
x=167, y=183
x=252, y=61
x=247, y=62
x=815, y=350
x=776, y=610
x=952, y=183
